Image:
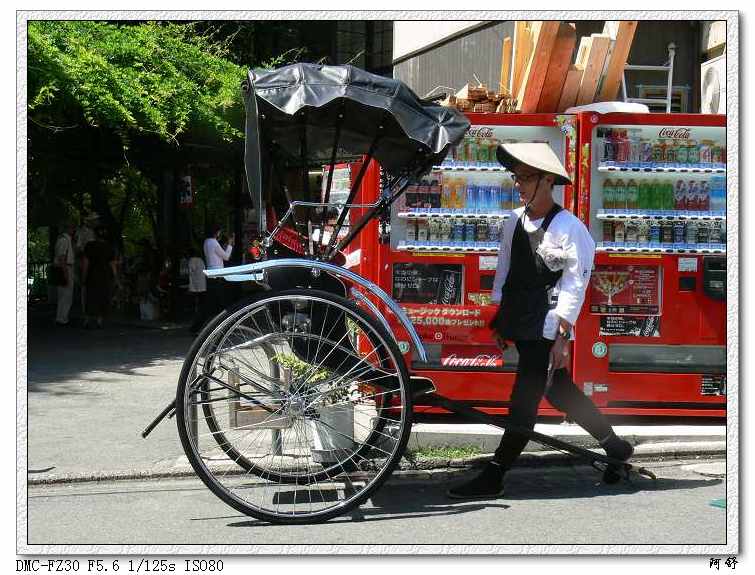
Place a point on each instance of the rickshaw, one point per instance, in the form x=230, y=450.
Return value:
x=295, y=405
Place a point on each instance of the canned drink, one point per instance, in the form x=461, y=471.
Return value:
x=635, y=144
x=434, y=230
x=680, y=195
x=642, y=233
x=646, y=151
x=630, y=232
x=716, y=233
x=693, y=196
x=435, y=192
x=618, y=232
x=619, y=194
x=693, y=152
x=679, y=232
x=632, y=194
x=667, y=233
x=422, y=231
x=658, y=151
x=458, y=230
x=655, y=232
x=411, y=231
x=410, y=196
x=609, y=150
x=494, y=231
x=705, y=152
x=716, y=154
x=482, y=151
x=691, y=232
x=703, y=232
x=470, y=230
x=608, y=231
x=682, y=155
x=446, y=227
x=704, y=196
x=482, y=230
x=446, y=201
x=609, y=188
x=670, y=151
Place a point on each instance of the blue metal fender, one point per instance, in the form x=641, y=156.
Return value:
x=254, y=272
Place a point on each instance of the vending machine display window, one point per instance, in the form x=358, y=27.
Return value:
x=658, y=189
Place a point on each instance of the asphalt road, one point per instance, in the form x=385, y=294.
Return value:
x=545, y=506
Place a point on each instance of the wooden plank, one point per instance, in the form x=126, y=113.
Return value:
x=563, y=49
x=537, y=67
x=522, y=48
x=615, y=63
x=593, y=69
x=571, y=87
x=505, y=84
x=583, y=51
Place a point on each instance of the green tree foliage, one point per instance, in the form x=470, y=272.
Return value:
x=113, y=106
x=147, y=78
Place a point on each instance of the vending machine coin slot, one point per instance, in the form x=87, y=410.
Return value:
x=714, y=277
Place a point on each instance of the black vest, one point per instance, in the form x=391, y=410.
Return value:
x=525, y=297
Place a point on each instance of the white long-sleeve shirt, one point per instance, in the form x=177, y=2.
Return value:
x=215, y=255
x=566, y=231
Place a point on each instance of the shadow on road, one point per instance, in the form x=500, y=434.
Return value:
x=418, y=500
x=59, y=356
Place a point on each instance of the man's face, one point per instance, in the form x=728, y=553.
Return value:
x=526, y=179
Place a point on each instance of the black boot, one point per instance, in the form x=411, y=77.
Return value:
x=487, y=485
x=616, y=448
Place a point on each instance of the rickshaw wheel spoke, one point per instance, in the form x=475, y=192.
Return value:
x=322, y=413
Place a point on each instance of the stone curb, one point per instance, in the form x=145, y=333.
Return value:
x=425, y=469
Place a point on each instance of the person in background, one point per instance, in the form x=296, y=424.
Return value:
x=84, y=235
x=544, y=265
x=197, y=288
x=64, y=258
x=215, y=257
x=98, y=275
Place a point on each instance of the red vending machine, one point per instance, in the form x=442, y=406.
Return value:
x=438, y=253
x=651, y=338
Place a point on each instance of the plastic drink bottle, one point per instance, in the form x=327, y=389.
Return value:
x=608, y=194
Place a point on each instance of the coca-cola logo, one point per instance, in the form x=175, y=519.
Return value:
x=480, y=132
x=675, y=133
x=449, y=289
x=480, y=360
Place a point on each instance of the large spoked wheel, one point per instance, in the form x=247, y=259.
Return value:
x=294, y=407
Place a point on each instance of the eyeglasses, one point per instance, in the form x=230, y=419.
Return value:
x=524, y=178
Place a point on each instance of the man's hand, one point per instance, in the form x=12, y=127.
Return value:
x=500, y=342
x=231, y=238
x=560, y=355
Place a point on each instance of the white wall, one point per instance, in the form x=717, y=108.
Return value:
x=412, y=35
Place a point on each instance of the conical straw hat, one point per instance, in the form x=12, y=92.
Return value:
x=539, y=156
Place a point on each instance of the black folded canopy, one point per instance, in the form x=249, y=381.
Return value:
x=301, y=106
